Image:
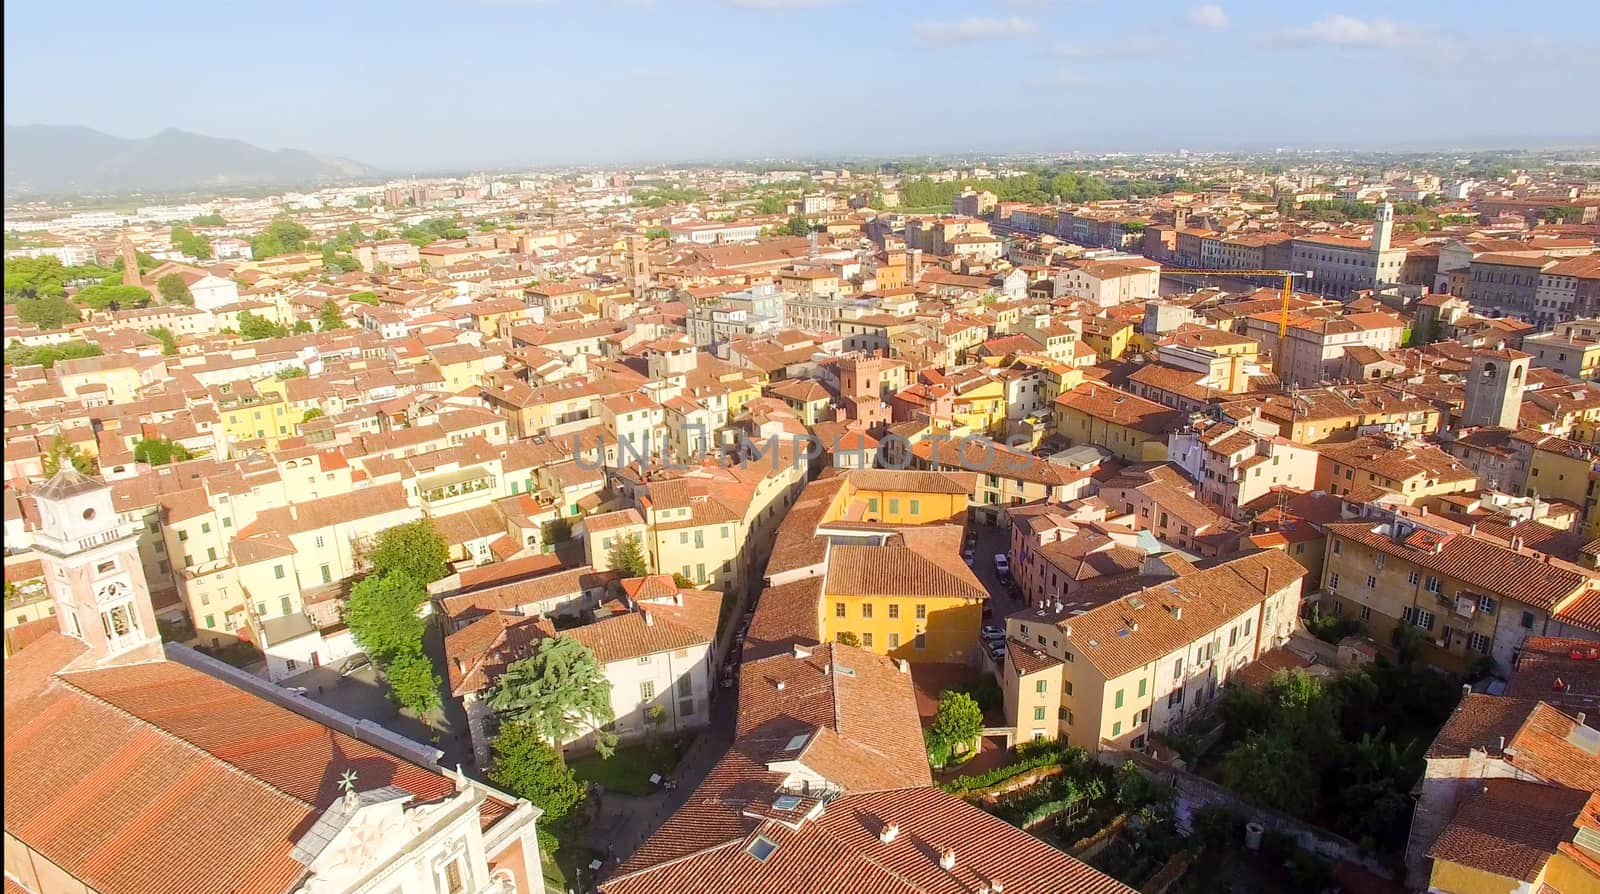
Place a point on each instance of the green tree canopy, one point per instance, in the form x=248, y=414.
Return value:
x=313, y=413
x=103, y=297
x=329, y=316
x=169, y=342
x=60, y=451
x=369, y=298
x=18, y=354
x=1269, y=771
x=174, y=290
x=51, y=312
x=527, y=766
x=772, y=205
x=382, y=614
x=627, y=557
x=414, y=549
x=847, y=638
x=186, y=241
x=413, y=682
x=657, y=233
x=159, y=451
x=252, y=327
x=560, y=691
x=209, y=220
x=797, y=226
x=957, y=721
x=281, y=237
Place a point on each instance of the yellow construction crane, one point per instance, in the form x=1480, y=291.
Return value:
x=1289, y=276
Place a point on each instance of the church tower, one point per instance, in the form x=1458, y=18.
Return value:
x=1383, y=227
x=1494, y=389
x=91, y=566
x=130, y=263
x=638, y=264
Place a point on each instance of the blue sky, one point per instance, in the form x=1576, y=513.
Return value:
x=462, y=83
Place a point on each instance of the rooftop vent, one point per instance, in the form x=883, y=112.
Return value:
x=947, y=859
x=889, y=833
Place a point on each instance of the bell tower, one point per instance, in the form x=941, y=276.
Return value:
x=91, y=566
x=639, y=272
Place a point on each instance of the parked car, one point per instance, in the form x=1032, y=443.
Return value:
x=991, y=632
x=354, y=663
x=1002, y=565
x=997, y=651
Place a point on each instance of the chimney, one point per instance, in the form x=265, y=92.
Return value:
x=1177, y=612
x=904, y=666
x=801, y=653
x=1466, y=689
x=1502, y=744
x=889, y=833
x=1424, y=510
x=649, y=620
x=996, y=887
x=780, y=685
x=947, y=859
x=1581, y=717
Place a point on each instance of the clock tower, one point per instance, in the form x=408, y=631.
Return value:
x=91, y=566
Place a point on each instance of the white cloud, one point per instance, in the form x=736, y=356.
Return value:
x=1345, y=31
x=1061, y=77
x=974, y=29
x=1208, y=15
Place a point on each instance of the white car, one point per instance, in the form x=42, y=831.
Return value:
x=991, y=632
x=1002, y=565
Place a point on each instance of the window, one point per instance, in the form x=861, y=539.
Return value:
x=211, y=622
x=1177, y=669
x=327, y=574
x=1116, y=729
x=1372, y=582
x=866, y=640
x=838, y=609
x=872, y=504
x=291, y=664
x=1338, y=548
x=1486, y=604
x=320, y=541
x=894, y=610
x=922, y=612
x=183, y=535
x=1119, y=698
x=647, y=690
x=283, y=603
x=1433, y=584
x=1527, y=620
x=1366, y=612
x=894, y=640
x=644, y=659
x=205, y=527
x=1143, y=684
x=762, y=848
x=106, y=567
x=277, y=572
x=1038, y=713
x=866, y=610
x=1333, y=580
x=1175, y=697
x=1413, y=578
x=921, y=642
x=1043, y=686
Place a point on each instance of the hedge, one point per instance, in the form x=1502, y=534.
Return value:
x=1031, y=756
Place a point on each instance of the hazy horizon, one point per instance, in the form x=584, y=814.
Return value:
x=474, y=84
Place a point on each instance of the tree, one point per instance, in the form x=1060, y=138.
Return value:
x=657, y=233
x=184, y=240
x=627, y=557
x=772, y=205
x=282, y=236
x=159, y=451
x=328, y=317
x=18, y=354
x=169, y=342
x=301, y=327
x=253, y=328
x=209, y=220
x=527, y=766
x=61, y=450
x=382, y=614
x=369, y=298
x=413, y=682
x=104, y=297
x=293, y=372
x=174, y=290
x=683, y=582
x=1272, y=772
x=51, y=312
x=560, y=691
x=798, y=226
x=414, y=549
x=846, y=638
x=957, y=721
x=313, y=413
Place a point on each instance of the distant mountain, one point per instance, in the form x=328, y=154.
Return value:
x=49, y=159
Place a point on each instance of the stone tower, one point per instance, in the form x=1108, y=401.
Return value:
x=638, y=264
x=91, y=566
x=1494, y=389
x=1383, y=227
x=130, y=263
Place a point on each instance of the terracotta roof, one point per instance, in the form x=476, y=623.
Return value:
x=1510, y=828
x=895, y=570
x=635, y=634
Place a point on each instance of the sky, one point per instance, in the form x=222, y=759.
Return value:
x=455, y=84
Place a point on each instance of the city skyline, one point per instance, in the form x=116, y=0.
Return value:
x=501, y=94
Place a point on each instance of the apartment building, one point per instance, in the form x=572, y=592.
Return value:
x=1130, y=427
x=1233, y=466
x=1468, y=597
x=1391, y=471
x=1147, y=662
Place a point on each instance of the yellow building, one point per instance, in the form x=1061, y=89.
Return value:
x=980, y=407
x=1558, y=468
x=1108, y=337
x=1130, y=427
x=898, y=498
x=248, y=414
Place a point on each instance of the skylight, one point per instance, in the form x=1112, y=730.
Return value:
x=785, y=802
x=761, y=848
x=843, y=671
x=797, y=743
